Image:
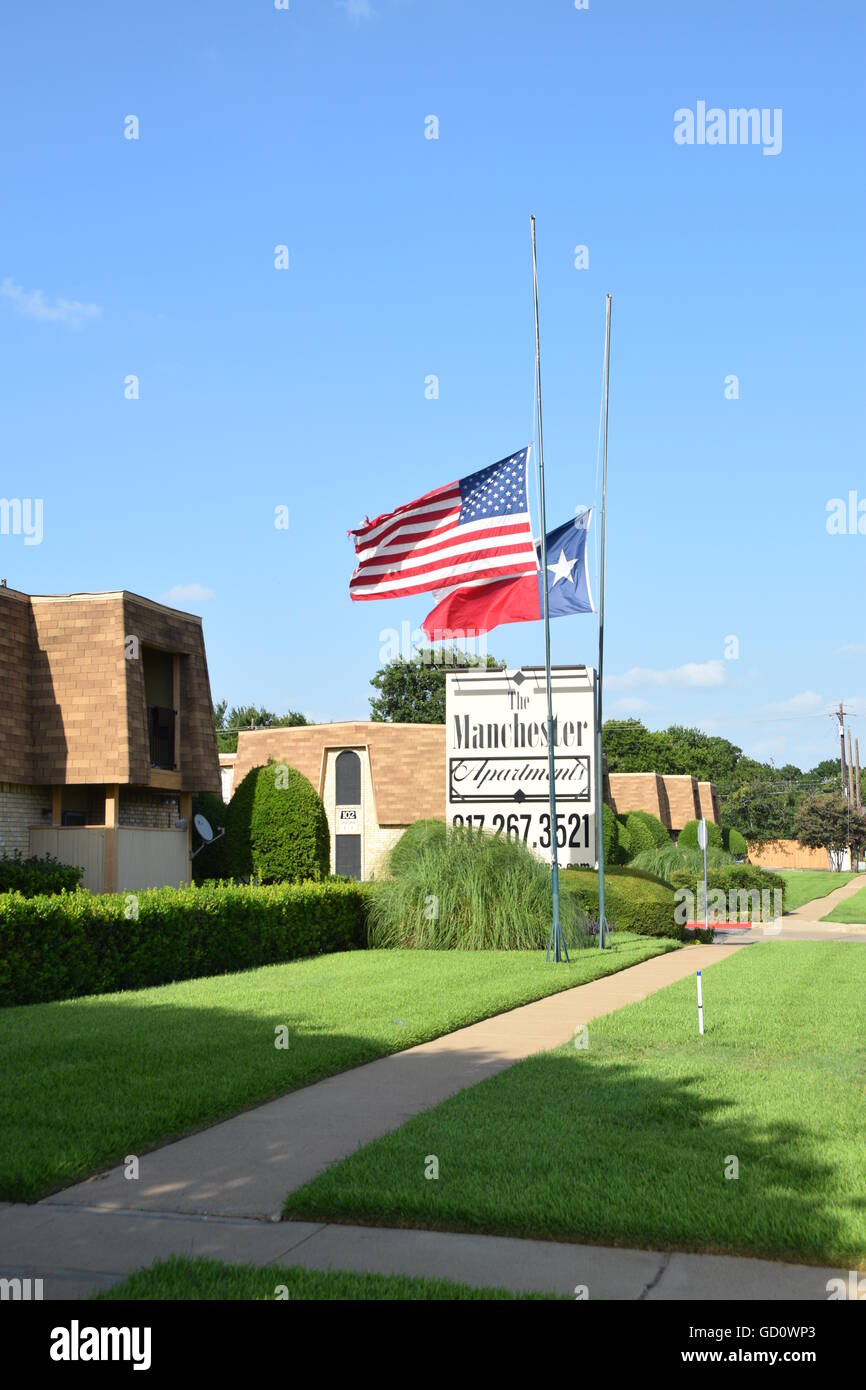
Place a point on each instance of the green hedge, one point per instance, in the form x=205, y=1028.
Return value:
x=688, y=836
x=632, y=902
x=277, y=829
x=616, y=842
x=737, y=876
x=645, y=831
x=34, y=876
x=74, y=944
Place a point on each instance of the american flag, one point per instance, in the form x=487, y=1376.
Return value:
x=467, y=532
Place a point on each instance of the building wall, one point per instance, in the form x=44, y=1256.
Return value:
x=148, y=810
x=73, y=691
x=16, y=734
x=156, y=626
x=20, y=808
x=674, y=799
x=78, y=697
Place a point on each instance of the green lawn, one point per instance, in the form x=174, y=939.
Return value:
x=626, y=1142
x=852, y=909
x=805, y=885
x=84, y=1082
x=208, y=1279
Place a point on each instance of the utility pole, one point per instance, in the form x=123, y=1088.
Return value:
x=857, y=771
x=840, y=715
x=851, y=801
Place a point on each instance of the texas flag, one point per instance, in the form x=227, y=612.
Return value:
x=486, y=604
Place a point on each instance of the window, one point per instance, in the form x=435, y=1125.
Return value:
x=348, y=779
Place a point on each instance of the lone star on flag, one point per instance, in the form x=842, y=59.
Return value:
x=562, y=569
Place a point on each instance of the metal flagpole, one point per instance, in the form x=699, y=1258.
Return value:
x=599, y=765
x=556, y=943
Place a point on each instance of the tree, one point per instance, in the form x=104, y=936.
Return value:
x=277, y=829
x=228, y=721
x=413, y=691
x=826, y=821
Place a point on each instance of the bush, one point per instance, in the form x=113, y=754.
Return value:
x=616, y=843
x=688, y=836
x=645, y=831
x=212, y=861
x=277, y=829
x=739, y=877
x=472, y=891
x=632, y=902
x=75, y=944
x=420, y=835
x=665, y=860
x=735, y=843
x=34, y=875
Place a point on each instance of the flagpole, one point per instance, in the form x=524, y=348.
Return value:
x=599, y=764
x=556, y=943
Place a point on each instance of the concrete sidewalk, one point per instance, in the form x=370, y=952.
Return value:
x=77, y=1251
x=246, y=1166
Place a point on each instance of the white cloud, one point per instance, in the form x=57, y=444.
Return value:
x=700, y=675
x=629, y=704
x=33, y=305
x=357, y=9
x=805, y=703
x=188, y=593
x=851, y=649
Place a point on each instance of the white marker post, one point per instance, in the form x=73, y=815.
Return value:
x=700, y=1007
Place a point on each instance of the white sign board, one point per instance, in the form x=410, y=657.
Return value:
x=497, y=757
x=702, y=833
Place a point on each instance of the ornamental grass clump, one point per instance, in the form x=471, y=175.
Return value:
x=472, y=891
x=664, y=860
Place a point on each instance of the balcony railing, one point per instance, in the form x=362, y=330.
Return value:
x=161, y=725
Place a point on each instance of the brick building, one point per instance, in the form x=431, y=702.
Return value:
x=375, y=779
x=106, y=732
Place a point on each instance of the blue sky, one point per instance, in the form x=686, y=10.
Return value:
x=408, y=257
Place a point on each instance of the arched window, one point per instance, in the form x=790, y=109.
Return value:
x=348, y=779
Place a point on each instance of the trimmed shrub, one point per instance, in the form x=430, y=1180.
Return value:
x=34, y=875
x=632, y=902
x=75, y=944
x=471, y=891
x=212, y=861
x=739, y=877
x=624, y=847
x=735, y=843
x=614, y=846
x=277, y=829
x=688, y=836
x=420, y=835
x=645, y=831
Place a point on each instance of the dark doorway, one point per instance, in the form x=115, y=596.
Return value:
x=347, y=857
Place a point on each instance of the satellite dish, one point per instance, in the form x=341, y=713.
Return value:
x=203, y=827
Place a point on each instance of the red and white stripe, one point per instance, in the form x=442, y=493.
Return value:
x=422, y=546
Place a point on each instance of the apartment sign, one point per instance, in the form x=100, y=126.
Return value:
x=498, y=763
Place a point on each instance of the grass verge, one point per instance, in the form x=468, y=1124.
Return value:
x=629, y=1141
x=805, y=885
x=184, y=1279
x=84, y=1082
x=851, y=909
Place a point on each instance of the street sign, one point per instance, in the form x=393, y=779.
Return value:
x=702, y=833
